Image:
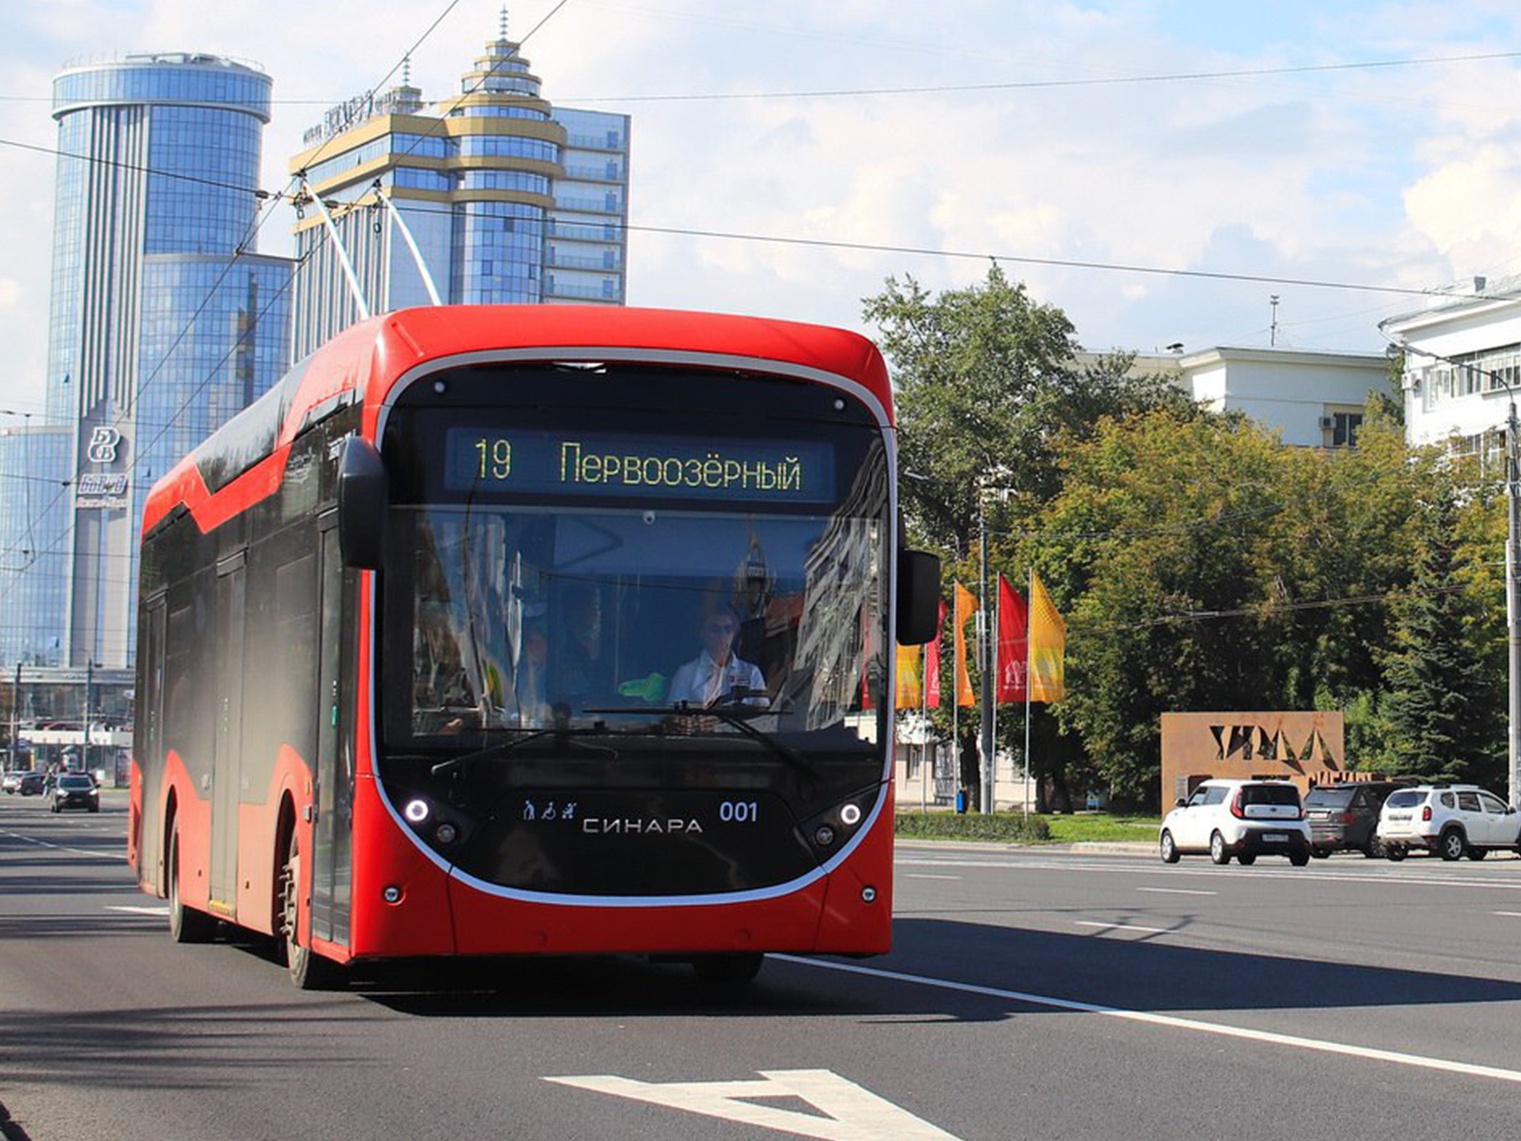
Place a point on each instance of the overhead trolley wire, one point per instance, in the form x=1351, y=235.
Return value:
x=239, y=251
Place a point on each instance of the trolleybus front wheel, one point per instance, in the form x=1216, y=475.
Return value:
x=308, y=970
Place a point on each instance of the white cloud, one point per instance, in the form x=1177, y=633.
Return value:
x=1404, y=177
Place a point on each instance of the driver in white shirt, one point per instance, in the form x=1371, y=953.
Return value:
x=717, y=671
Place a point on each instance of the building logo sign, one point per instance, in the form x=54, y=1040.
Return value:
x=102, y=446
x=98, y=490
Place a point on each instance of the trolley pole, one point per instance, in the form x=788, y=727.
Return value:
x=984, y=666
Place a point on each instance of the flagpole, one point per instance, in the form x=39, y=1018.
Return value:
x=994, y=641
x=1029, y=683
x=924, y=710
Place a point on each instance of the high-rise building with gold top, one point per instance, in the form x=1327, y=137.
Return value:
x=508, y=199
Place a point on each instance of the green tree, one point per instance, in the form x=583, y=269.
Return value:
x=1440, y=712
x=984, y=387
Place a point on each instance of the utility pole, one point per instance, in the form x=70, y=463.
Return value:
x=1273, y=325
x=84, y=761
x=984, y=665
x=15, y=714
x=1513, y=595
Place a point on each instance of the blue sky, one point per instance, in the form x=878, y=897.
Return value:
x=1405, y=176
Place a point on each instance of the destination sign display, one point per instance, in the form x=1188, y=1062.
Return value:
x=677, y=467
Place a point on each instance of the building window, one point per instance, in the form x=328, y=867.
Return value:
x=1344, y=429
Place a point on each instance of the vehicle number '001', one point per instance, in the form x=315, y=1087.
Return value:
x=739, y=811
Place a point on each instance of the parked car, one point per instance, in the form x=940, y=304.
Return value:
x=76, y=790
x=11, y=781
x=1345, y=816
x=33, y=784
x=1452, y=820
x=1241, y=818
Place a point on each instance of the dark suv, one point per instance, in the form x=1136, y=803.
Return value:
x=76, y=790
x=1345, y=816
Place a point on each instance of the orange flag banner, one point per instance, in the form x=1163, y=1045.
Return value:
x=966, y=606
x=910, y=685
x=1048, y=646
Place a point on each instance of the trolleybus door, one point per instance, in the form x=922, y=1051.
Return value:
x=331, y=872
x=226, y=779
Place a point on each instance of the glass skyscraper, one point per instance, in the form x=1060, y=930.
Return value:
x=510, y=199
x=160, y=328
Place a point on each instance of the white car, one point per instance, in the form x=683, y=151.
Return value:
x=11, y=781
x=1452, y=820
x=1241, y=818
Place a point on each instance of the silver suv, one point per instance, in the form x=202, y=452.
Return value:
x=1452, y=820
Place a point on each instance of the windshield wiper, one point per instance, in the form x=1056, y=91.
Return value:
x=729, y=717
x=564, y=736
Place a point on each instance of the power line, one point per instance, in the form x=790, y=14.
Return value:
x=123, y=165
x=952, y=88
x=967, y=255
x=238, y=252
x=1037, y=84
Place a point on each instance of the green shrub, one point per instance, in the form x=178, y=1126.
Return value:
x=1003, y=827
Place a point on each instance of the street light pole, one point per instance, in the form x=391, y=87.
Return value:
x=1512, y=564
x=1513, y=595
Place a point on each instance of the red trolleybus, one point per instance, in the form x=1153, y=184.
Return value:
x=536, y=629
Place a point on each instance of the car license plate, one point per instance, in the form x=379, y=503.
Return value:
x=1275, y=838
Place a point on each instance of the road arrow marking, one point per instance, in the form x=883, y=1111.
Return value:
x=138, y=910
x=853, y=1113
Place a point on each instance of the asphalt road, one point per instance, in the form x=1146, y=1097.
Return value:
x=1030, y=995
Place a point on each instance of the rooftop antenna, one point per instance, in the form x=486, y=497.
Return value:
x=1273, y=328
x=406, y=70
x=502, y=30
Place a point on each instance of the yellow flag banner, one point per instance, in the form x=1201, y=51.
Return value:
x=1048, y=646
x=966, y=606
x=910, y=681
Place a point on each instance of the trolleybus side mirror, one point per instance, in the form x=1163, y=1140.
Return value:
x=918, y=597
x=361, y=504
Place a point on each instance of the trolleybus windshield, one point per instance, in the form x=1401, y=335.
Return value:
x=620, y=573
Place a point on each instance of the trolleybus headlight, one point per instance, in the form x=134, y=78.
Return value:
x=391, y=894
x=416, y=811
x=446, y=833
x=851, y=815
x=868, y=895
x=824, y=836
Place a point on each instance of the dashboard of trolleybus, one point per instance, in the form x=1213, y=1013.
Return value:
x=633, y=626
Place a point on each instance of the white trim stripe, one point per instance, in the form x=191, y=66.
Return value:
x=1268, y=1037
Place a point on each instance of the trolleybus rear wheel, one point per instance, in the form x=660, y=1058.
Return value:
x=186, y=924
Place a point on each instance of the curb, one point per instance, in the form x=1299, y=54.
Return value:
x=1078, y=848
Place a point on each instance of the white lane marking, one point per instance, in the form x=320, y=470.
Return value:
x=926, y=876
x=1512, y=914
x=1391, y=879
x=853, y=1113
x=1318, y=1045
x=1124, y=927
x=97, y=853
x=138, y=910
x=1176, y=891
